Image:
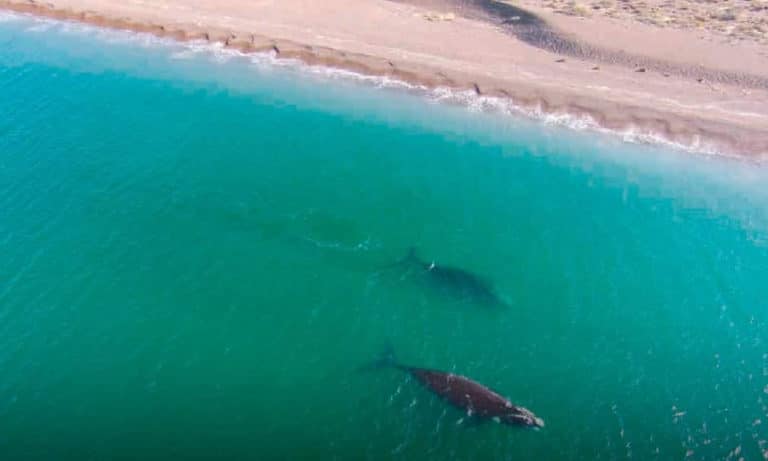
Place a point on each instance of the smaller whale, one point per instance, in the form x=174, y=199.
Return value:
x=465, y=394
x=455, y=282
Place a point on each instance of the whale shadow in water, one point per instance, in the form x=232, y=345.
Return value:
x=449, y=281
x=477, y=401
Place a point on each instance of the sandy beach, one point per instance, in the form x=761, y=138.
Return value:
x=692, y=83
x=732, y=21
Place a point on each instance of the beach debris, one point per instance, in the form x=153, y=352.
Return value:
x=640, y=69
x=439, y=17
x=724, y=14
x=577, y=9
x=560, y=60
x=596, y=68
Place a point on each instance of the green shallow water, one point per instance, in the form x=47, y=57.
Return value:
x=195, y=259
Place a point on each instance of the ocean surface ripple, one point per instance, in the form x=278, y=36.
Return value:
x=201, y=249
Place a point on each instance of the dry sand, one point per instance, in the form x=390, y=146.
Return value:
x=677, y=82
x=732, y=21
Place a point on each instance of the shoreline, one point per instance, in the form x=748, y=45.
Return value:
x=613, y=108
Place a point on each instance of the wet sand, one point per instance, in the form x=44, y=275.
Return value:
x=625, y=76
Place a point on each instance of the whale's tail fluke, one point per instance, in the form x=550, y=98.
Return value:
x=386, y=359
x=409, y=259
x=411, y=256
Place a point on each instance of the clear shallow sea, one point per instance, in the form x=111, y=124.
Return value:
x=196, y=250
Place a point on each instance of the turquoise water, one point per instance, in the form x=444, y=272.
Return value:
x=196, y=257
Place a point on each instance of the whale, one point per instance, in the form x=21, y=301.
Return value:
x=453, y=281
x=474, y=399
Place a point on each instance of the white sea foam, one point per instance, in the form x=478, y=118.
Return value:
x=40, y=27
x=10, y=16
x=507, y=106
x=218, y=53
x=333, y=73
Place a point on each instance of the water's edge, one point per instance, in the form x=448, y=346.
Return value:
x=632, y=124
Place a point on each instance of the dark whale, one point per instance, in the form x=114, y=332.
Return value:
x=465, y=394
x=453, y=281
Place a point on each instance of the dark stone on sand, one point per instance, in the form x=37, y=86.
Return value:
x=244, y=44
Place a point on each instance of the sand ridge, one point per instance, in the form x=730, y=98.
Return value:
x=436, y=43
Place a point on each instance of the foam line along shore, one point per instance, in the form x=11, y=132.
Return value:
x=473, y=55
